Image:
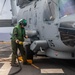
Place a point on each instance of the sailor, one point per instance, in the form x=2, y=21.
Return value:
x=18, y=35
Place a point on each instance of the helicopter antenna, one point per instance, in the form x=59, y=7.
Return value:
x=2, y=7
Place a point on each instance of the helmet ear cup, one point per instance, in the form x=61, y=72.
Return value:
x=24, y=24
x=20, y=23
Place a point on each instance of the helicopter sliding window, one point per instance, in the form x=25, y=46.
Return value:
x=67, y=7
x=49, y=11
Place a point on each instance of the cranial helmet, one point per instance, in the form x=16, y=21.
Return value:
x=23, y=22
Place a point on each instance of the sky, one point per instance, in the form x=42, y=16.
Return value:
x=6, y=13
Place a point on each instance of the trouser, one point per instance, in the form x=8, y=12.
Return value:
x=15, y=47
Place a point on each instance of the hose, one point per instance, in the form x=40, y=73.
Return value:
x=20, y=68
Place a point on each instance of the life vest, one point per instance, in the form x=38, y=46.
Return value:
x=18, y=33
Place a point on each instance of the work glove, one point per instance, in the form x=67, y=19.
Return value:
x=17, y=41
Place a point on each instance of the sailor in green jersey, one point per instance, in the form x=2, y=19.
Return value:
x=18, y=35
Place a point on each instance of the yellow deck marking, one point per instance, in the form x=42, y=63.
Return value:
x=35, y=66
x=5, y=42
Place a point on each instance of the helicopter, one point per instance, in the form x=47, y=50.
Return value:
x=50, y=25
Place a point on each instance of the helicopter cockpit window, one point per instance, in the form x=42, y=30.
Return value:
x=66, y=7
x=49, y=11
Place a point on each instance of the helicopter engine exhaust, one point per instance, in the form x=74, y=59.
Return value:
x=31, y=33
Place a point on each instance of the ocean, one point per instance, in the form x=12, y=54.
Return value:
x=5, y=33
x=5, y=37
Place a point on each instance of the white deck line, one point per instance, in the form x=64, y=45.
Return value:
x=5, y=68
x=52, y=71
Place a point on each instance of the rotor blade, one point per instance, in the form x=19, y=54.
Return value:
x=3, y=6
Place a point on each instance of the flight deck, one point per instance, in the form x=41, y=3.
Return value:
x=41, y=65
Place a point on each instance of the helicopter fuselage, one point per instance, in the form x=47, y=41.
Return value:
x=46, y=18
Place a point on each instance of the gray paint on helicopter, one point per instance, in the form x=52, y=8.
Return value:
x=43, y=16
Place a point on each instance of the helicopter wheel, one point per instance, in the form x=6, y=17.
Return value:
x=28, y=52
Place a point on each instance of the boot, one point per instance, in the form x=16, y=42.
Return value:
x=14, y=65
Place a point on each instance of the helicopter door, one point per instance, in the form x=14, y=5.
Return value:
x=48, y=19
x=49, y=11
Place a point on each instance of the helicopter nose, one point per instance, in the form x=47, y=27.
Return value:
x=67, y=33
